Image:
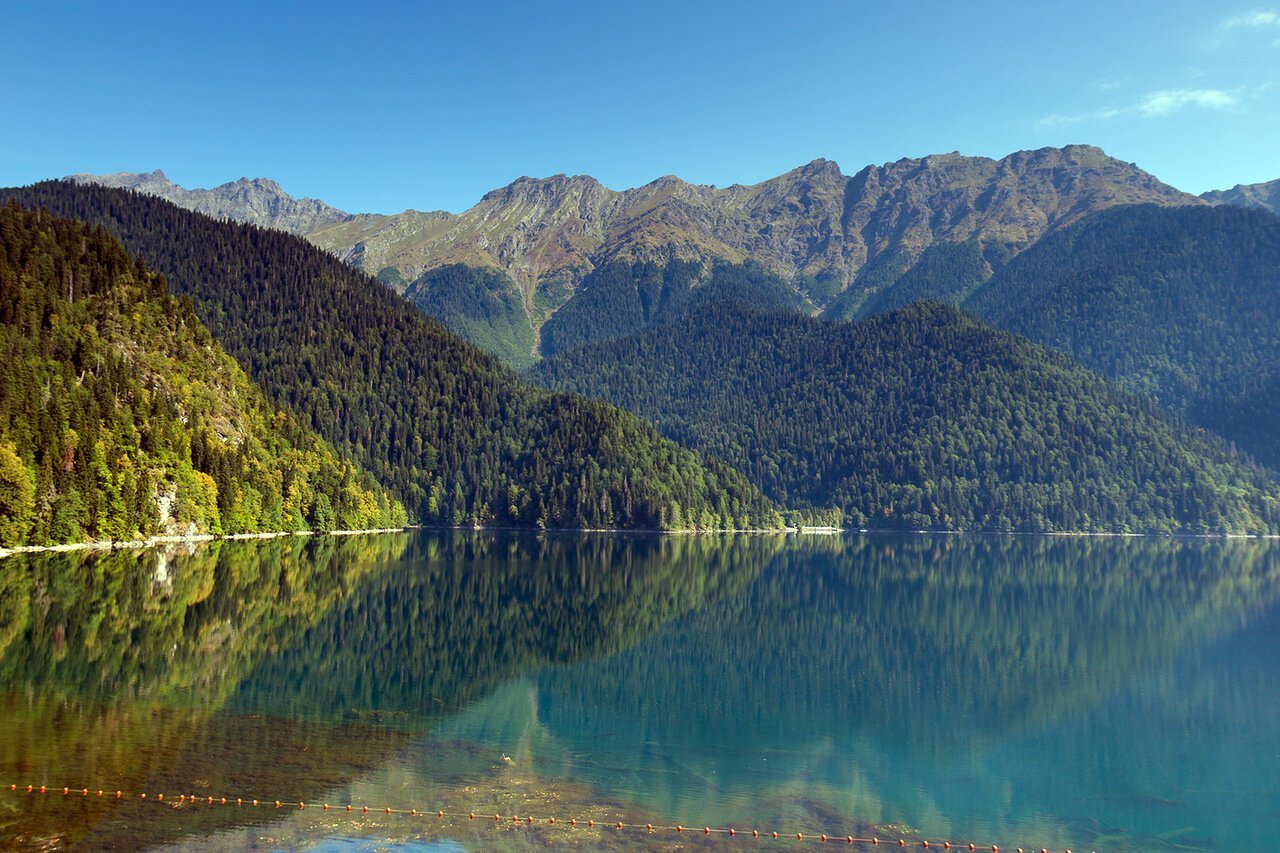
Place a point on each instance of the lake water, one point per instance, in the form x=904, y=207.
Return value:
x=1091, y=694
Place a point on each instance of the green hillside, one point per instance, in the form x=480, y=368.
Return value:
x=120, y=417
x=921, y=418
x=1179, y=303
x=481, y=305
x=620, y=298
x=946, y=272
x=460, y=438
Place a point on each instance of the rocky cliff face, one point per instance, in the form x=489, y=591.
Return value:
x=259, y=201
x=1016, y=200
x=813, y=220
x=1266, y=196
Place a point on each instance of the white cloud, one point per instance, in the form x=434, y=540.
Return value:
x=1157, y=104
x=1169, y=101
x=1059, y=120
x=1260, y=20
x=1239, y=28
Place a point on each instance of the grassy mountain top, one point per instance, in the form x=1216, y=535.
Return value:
x=1265, y=195
x=812, y=221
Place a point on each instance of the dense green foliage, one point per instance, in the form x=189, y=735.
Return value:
x=619, y=298
x=921, y=418
x=120, y=417
x=945, y=272
x=458, y=436
x=879, y=274
x=482, y=305
x=1179, y=303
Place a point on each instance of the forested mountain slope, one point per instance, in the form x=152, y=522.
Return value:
x=460, y=438
x=924, y=417
x=120, y=417
x=1180, y=303
x=480, y=305
x=618, y=298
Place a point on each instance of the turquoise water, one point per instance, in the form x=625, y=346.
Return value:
x=1082, y=693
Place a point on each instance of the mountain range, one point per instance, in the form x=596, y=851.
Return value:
x=842, y=343
x=839, y=240
x=1175, y=304
x=811, y=221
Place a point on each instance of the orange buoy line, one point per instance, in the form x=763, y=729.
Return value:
x=512, y=819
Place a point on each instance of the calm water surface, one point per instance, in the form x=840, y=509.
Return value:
x=1097, y=694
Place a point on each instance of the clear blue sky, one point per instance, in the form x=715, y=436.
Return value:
x=384, y=106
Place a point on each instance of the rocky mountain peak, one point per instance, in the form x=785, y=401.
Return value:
x=552, y=190
x=155, y=183
x=666, y=182
x=1265, y=195
x=821, y=168
x=1079, y=151
x=264, y=185
x=260, y=201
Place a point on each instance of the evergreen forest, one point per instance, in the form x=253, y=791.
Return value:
x=922, y=418
x=1179, y=303
x=619, y=298
x=454, y=434
x=481, y=305
x=120, y=417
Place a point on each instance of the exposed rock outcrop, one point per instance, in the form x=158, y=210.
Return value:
x=260, y=201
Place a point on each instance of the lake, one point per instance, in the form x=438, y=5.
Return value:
x=1043, y=692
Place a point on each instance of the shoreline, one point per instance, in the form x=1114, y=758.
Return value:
x=154, y=541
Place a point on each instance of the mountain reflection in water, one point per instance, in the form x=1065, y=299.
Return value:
x=1048, y=690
